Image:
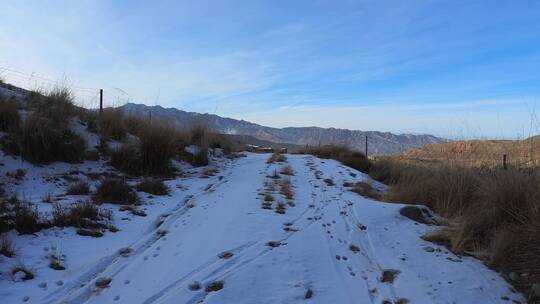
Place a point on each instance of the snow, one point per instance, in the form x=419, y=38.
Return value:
x=181, y=239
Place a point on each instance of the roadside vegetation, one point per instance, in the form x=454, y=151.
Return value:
x=44, y=127
x=490, y=213
x=140, y=146
x=346, y=156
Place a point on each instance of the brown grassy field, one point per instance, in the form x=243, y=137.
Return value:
x=479, y=152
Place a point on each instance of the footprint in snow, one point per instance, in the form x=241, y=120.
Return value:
x=225, y=255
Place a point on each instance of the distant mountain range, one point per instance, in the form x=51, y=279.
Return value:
x=247, y=132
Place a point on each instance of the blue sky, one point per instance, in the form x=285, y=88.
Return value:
x=459, y=69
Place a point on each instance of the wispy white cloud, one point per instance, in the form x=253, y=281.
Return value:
x=259, y=59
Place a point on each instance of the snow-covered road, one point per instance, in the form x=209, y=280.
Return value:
x=330, y=245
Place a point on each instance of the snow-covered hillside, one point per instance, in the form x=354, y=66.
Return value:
x=211, y=241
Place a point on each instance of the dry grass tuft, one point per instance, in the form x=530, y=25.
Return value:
x=115, y=191
x=40, y=140
x=367, y=190
x=111, y=124
x=346, y=156
x=152, y=153
x=7, y=248
x=9, y=116
x=153, y=186
x=79, y=188
x=80, y=215
x=21, y=273
x=286, y=189
x=276, y=157
x=286, y=170
x=19, y=215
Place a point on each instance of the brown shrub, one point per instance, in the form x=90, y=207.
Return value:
x=287, y=170
x=447, y=189
x=22, y=270
x=157, y=147
x=40, y=140
x=153, y=186
x=151, y=154
x=26, y=219
x=198, y=135
x=201, y=158
x=285, y=189
x=115, y=191
x=80, y=215
x=111, y=124
x=7, y=248
x=56, y=105
x=386, y=170
x=79, y=188
x=9, y=116
x=276, y=157
x=366, y=189
x=220, y=141
x=346, y=156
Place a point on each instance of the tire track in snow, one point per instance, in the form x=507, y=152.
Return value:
x=237, y=263
x=82, y=288
x=357, y=236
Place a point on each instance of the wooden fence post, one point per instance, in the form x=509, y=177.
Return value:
x=366, y=146
x=504, y=162
x=100, y=101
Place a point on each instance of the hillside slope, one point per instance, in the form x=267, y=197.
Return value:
x=379, y=142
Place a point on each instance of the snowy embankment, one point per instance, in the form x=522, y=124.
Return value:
x=210, y=241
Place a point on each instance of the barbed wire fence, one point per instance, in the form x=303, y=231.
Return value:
x=85, y=96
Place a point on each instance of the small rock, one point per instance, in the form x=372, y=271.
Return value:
x=225, y=255
x=309, y=294
x=103, y=282
x=274, y=244
x=429, y=249
x=418, y=214
x=125, y=251
x=89, y=232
